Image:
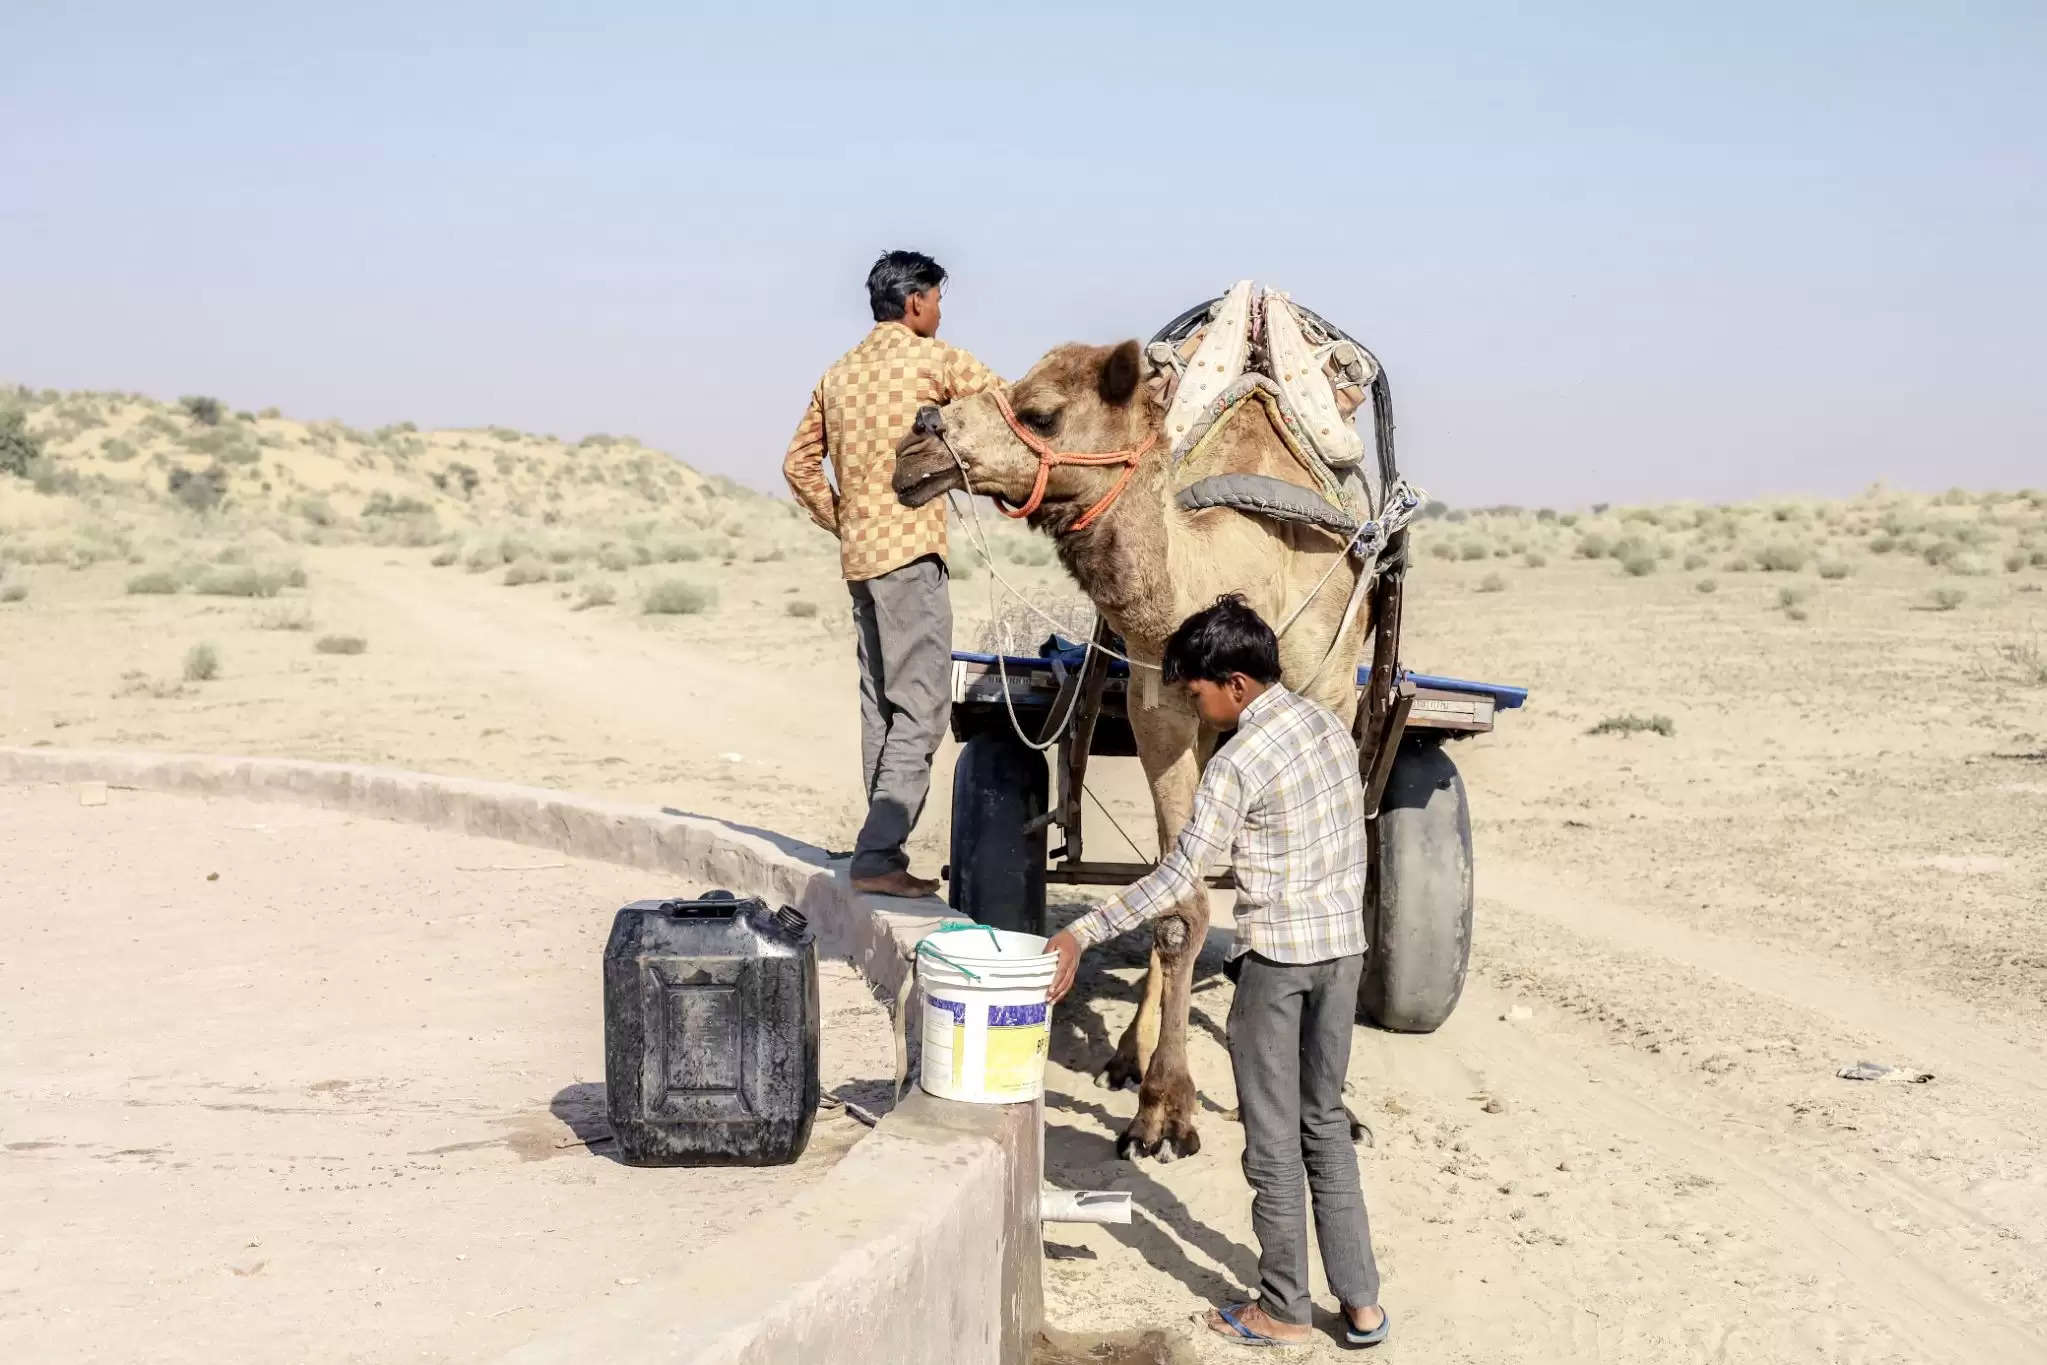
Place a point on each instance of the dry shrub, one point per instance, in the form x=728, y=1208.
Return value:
x=202, y=663
x=678, y=597
x=340, y=644
x=1782, y=556
x=1632, y=725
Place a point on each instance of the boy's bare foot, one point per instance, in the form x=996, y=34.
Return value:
x=897, y=883
x=1251, y=1325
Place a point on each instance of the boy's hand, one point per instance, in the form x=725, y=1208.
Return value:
x=1069, y=950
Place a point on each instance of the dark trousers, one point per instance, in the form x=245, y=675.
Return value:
x=902, y=624
x=1290, y=1046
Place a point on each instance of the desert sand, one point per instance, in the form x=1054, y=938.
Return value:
x=1824, y=842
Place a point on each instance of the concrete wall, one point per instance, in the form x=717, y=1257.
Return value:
x=897, y=1255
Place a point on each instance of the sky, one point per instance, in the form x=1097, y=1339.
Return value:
x=1606, y=252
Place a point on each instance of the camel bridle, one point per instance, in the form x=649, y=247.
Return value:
x=1049, y=459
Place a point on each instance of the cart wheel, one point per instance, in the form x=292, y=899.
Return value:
x=1418, y=906
x=998, y=871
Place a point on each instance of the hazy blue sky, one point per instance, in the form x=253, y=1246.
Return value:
x=1714, y=251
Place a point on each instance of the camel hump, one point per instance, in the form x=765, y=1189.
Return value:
x=1259, y=332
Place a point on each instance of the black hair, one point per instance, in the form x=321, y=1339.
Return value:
x=1220, y=640
x=896, y=276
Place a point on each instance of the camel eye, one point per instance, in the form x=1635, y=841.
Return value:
x=1044, y=423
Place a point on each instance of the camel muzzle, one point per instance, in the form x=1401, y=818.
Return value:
x=925, y=468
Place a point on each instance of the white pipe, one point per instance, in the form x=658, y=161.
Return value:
x=1084, y=1206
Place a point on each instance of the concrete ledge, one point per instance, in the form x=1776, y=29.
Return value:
x=897, y=1255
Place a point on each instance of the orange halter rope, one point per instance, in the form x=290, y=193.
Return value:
x=1048, y=457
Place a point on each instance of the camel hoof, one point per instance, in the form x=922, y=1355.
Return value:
x=1121, y=1073
x=1152, y=1134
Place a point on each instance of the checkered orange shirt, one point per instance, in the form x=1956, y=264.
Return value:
x=865, y=404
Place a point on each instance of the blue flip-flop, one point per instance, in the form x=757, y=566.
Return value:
x=1354, y=1337
x=1245, y=1336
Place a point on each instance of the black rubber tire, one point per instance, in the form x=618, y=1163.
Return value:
x=1418, y=908
x=998, y=871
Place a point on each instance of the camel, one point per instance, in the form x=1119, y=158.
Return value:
x=1147, y=565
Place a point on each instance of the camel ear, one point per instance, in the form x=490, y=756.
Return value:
x=1119, y=375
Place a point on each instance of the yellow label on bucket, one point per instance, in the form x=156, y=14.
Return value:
x=1018, y=1036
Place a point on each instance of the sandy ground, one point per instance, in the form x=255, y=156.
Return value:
x=1840, y=853
x=278, y=1084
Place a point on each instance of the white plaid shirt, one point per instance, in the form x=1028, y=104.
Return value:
x=1284, y=801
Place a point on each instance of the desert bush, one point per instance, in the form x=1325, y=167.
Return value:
x=1471, y=550
x=444, y=556
x=1433, y=508
x=1707, y=585
x=20, y=449
x=2027, y=657
x=1941, y=552
x=1833, y=568
x=201, y=409
x=1638, y=563
x=1782, y=556
x=270, y=414
x=678, y=551
x=1442, y=549
x=614, y=559
x=241, y=581
x=1492, y=582
x=1883, y=545
x=1969, y=566
x=340, y=644
x=678, y=597
x=382, y=504
x=156, y=582
x=1534, y=559
x=1947, y=599
x=2038, y=559
x=201, y=490
x=1794, y=613
x=1632, y=724
x=596, y=595
x=1031, y=553
x=1593, y=545
x=2015, y=561
x=1791, y=597
x=285, y=618
x=802, y=610
x=525, y=571
x=1694, y=560
x=202, y=663
x=13, y=592
x=118, y=451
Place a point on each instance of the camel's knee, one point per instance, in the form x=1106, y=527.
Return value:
x=1171, y=935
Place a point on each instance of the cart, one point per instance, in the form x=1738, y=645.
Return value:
x=1073, y=700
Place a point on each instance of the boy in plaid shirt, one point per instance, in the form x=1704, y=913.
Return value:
x=1283, y=800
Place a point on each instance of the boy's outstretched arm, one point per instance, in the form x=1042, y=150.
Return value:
x=1204, y=840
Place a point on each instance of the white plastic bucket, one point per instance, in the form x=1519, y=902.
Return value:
x=987, y=1024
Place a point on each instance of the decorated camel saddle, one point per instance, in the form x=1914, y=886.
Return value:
x=1254, y=353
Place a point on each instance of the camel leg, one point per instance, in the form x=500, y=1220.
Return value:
x=1167, y=1101
x=1166, y=746
x=1126, y=1068
x=1154, y=1047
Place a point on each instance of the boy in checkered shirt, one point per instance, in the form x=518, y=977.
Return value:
x=1282, y=800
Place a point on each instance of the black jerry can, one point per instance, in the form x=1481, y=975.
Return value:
x=710, y=1032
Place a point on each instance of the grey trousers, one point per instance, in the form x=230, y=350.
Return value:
x=903, y=627
x=1290, y=1046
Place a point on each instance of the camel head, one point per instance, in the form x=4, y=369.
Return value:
x=1078, y=400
